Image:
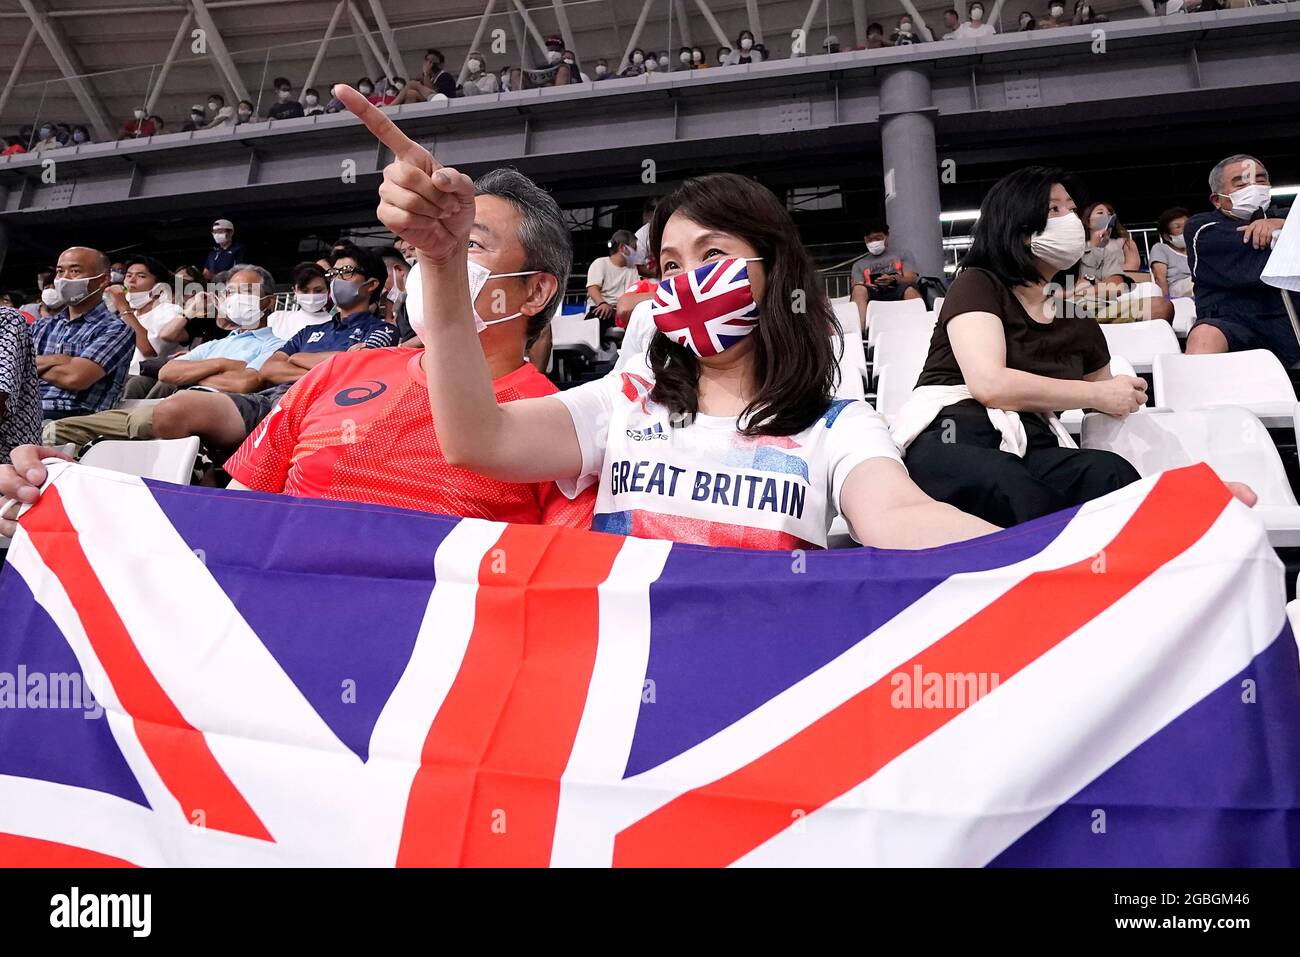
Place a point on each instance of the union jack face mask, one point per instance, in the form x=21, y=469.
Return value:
x=707, y=309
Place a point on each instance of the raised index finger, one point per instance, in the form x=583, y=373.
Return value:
x=403, y=148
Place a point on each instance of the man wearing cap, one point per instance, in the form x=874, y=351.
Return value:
x=226, y=252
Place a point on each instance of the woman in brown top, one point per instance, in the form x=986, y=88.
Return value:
x=980, y=430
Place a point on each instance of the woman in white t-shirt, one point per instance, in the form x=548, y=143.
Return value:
x=725, y=432
x=145, y=304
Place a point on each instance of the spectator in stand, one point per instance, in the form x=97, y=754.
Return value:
x=13, y=146
x=831, y=44
x=244, y=113
x=723, y=57
x=570, y=59
x=684, y=60
x=197, y=120
x=10, y=300
x=433, y=80
x=20, y=396
x=884, y=274
x=652, y=62
x=218, y=113
x=1169, y=256
x=762, y=52
x=744, y=51
x=394, y=294
x=906, y=34
x=225, y=251
x=335, y=105
x=311, y=102
x=951, y=21
x=44, y=279
x=1027, y=22
x=139, y=126
x=980, y=431
x=46, y=139
x=1110, y=251
x=636, y=64
x=285, y=106
x=81, y=135
x=610, y=276
x=876, y=37
x=478, y=79
x=158, y=126
x=697, y=58
x=602, y=70
x=392, y=89
x=82, y=353
x=975, y=26
x=1055, y=18
x=1084, y=13
x=1227, y=250
x=145, y=304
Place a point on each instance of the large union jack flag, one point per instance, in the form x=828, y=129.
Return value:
x=706, y=309
x=314, y=683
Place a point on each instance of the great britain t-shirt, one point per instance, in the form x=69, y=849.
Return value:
x=703, y=482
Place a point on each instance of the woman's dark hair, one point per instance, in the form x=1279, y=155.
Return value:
x=304, y=273
x=159, y=272
x=794, y=360
x=1012, y=211
x=1167, y=218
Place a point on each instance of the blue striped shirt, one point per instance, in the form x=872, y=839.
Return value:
x=99, y=336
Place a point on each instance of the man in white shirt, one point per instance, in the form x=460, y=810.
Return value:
x=609, y=276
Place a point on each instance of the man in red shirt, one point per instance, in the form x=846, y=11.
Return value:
x=357, y=427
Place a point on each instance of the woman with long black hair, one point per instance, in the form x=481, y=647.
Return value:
x=725, y=432
x=980, y=430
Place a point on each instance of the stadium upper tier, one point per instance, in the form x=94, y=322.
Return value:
x=1227, y=64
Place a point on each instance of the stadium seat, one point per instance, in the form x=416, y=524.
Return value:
x=575, y=331
x=898, y=368
x=883, y=315
x=164, y=460
x=1184, y=314
x=1229, y=438
x=1254, y=379
x=847, y=314
x=901, y=337
x=938, y=304
x=853, y=365
x=1140, y=342
x=287, y=323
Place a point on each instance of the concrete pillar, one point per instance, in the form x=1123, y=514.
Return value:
x=911, y=166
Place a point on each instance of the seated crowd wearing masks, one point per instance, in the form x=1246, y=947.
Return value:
x=906, y=34
x=83, y=351
x=479, y=81
x=144, y=302
x=223, y=421
x=1227, y=249
x=980, y=429
x=434, y=80
x=744, y=51
x=709, y=392
x=975, y=26
x=380, y=445
x=1168, y=257
x=229, y=364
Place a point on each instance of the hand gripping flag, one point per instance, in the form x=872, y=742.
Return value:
x=302, y=682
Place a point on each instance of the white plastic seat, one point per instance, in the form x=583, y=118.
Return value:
x=853, y=365
x=899, y=367
x=938, y=304
x=903, y=339
x=165, y=460
x=575, y=331
x=883, y=315
x=1184, y=314
x=1229, y=439
x=847, y=314
x=1141, y=342
x=1254, y=379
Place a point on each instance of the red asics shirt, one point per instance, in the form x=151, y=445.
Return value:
x=357, y=427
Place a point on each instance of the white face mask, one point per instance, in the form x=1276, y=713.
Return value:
x=1248, y=200
x=475, y=65
x=652, y=65
x=976, y=14
x=634, y=257
x=601, y=69
x=50, y=296
x=553, y=56
x=313, y=302
x=244, y=309
x=137, y=299
x=1062, y=241
x=685, y=57
x=1057, y=11
x=478, y=277
x=876, y=248
x=638, y=58
x=1178, y=242
x=310, y=100
x=746, y=43
x=220, y=238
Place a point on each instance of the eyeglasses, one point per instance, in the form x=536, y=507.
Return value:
x=344, y=272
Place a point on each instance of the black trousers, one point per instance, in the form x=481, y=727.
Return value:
x=957, y=460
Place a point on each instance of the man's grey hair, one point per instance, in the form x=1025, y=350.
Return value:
x=542, y=233
x=1216, y=174
x=268, y=281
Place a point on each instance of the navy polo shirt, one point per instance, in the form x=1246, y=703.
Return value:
x=339, y=334
x=219, y=260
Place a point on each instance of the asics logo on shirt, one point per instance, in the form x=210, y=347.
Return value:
x=356, y=394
